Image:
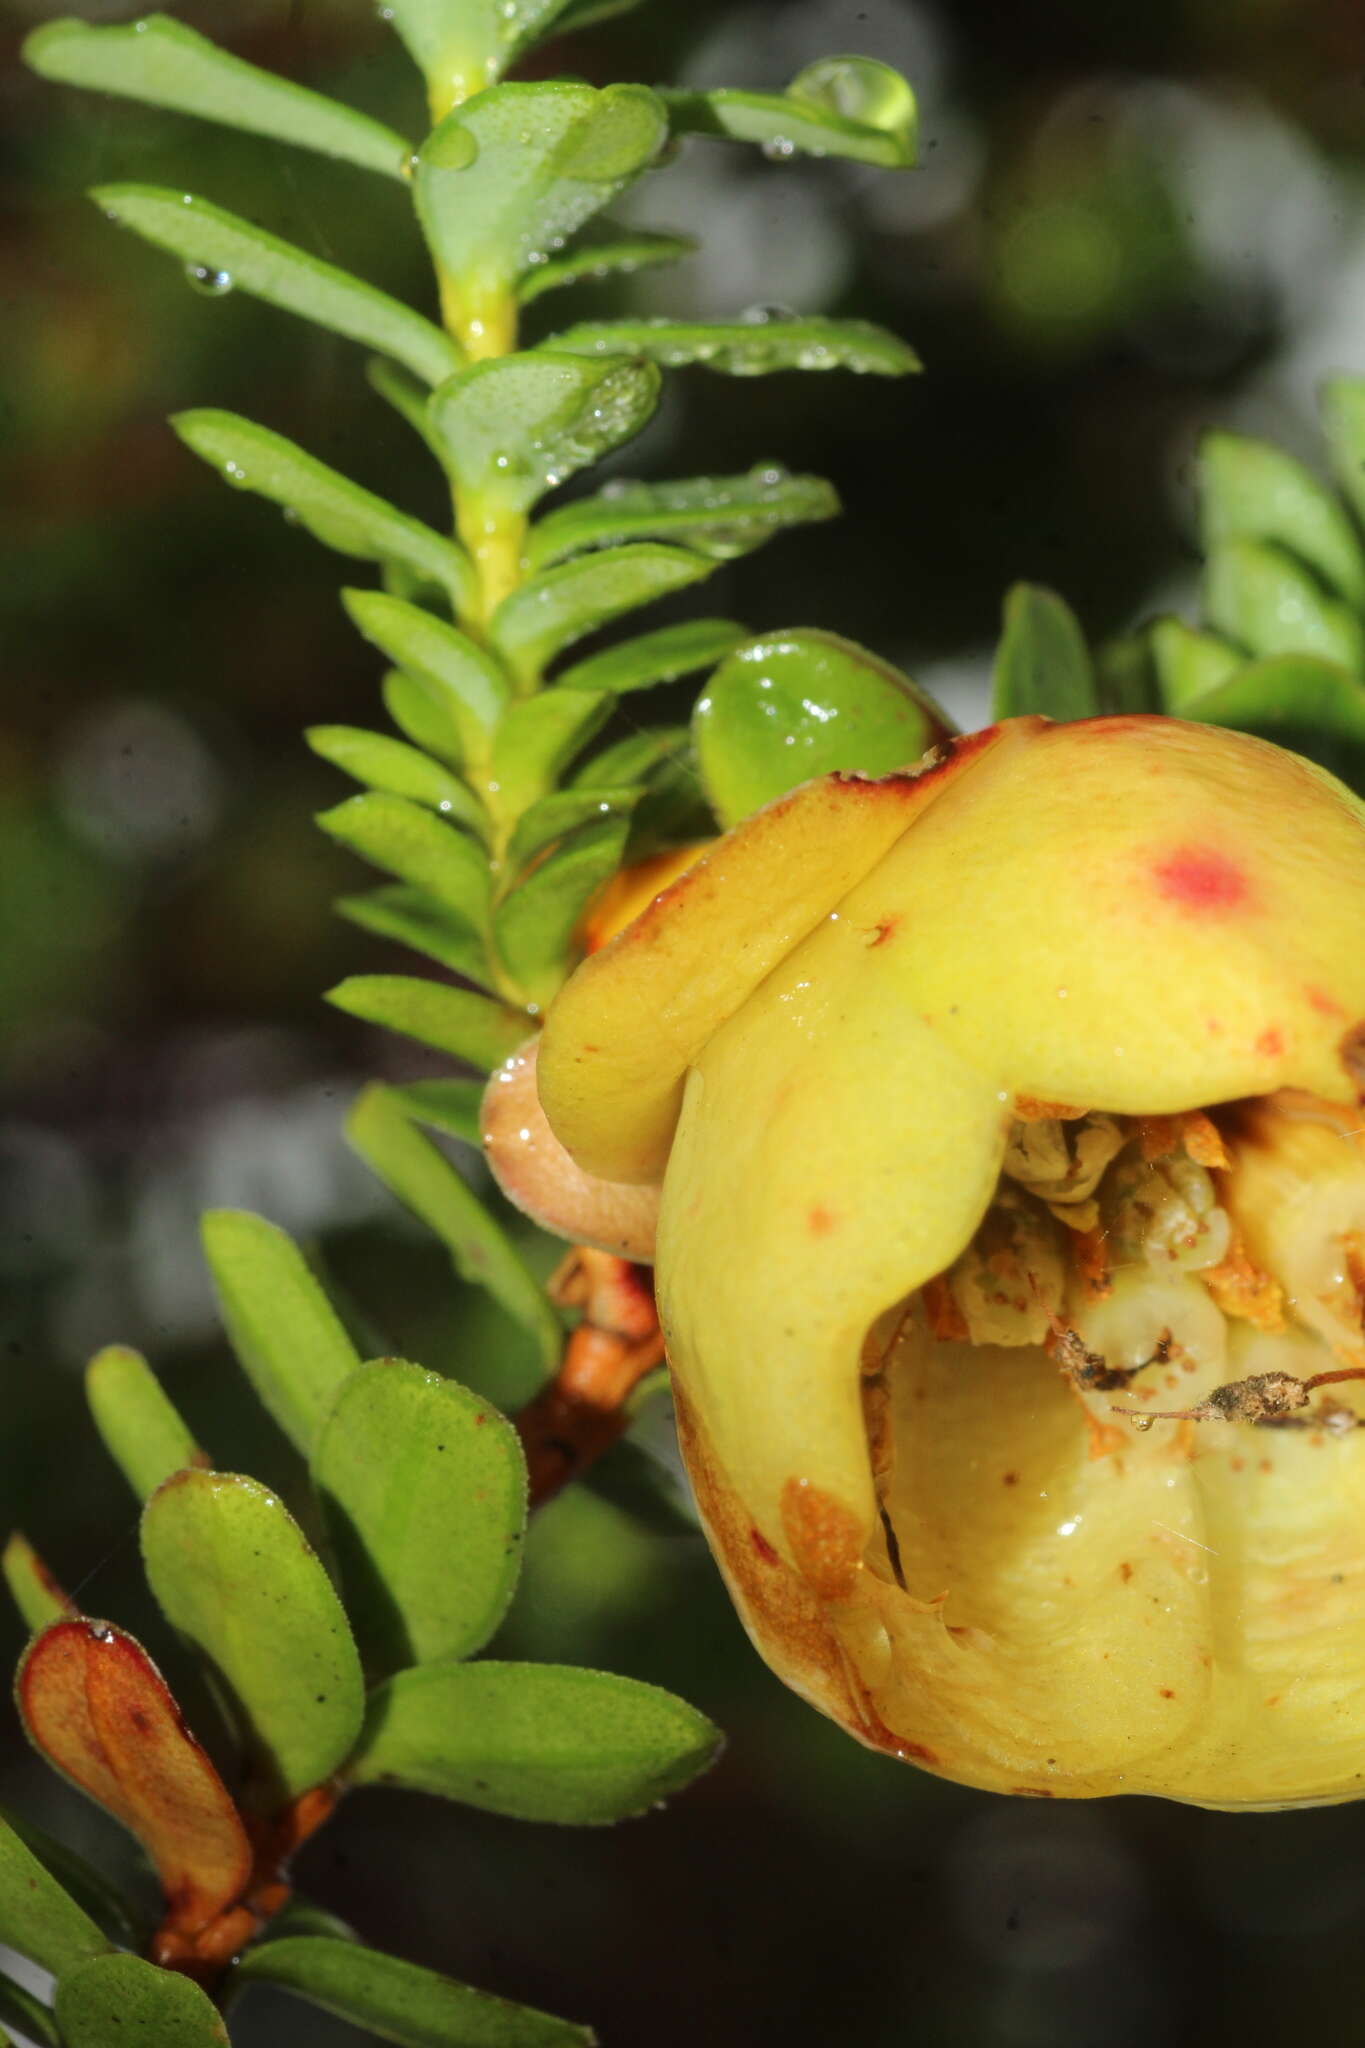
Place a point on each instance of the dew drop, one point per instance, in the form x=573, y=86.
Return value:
x=1142, y=1422
x=451, y=148
x=213, y=284
x=766, y=316
x=779, y=149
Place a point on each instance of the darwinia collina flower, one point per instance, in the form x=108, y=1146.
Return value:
x=1011, y=1248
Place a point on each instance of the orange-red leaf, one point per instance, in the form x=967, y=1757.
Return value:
x=97, y=1707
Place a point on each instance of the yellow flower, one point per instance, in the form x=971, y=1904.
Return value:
x=988, y=1099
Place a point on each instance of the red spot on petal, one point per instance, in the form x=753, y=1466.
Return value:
x=820, y=1222
x=882, y=932
x=762, y=1546
x=1201, y=879
x=1322, y=1002
x=1270, y=1044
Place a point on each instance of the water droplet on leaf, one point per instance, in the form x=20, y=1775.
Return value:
x=214, y=284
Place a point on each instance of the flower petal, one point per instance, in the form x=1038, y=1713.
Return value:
x=621, y=1036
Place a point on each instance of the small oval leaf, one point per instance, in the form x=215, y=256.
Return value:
x=400, y=2001
x=450, y=1020
x=231, y=1569
x=339, y=513
x=653, y=658
x=1259, y=597
x=1251, y=489
x=424, y=1488
x=260, y=263
x=795, y=705
x=166, y=64
x=1042, y=664
x=425, y=1181
x=34, y=1590
x=141, y=1430
x=747, y=348
x=518, y=426
x=287, y=1336
x=546, y=615
x=122, y=1999
x=37, y=1917
x=94, y=1704
x=542, y=1742
x=722, y=516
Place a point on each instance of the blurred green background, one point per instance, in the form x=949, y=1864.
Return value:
x=1128, y=225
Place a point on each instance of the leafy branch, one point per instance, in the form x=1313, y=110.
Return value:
x=498, y=809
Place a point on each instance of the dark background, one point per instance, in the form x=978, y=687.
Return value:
x=1130, y=223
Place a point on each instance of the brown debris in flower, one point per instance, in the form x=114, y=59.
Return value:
x=1353, y=1057
x=1266, y=1398
x=947, y=1324
x=1160, y=1136
x=1090, y=1263
x=1240, y=1288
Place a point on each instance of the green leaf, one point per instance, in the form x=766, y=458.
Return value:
x=535, y=926
x=795, y=705
x=721, y=516
x=553, y=817
x=223, y=246
x=37, y=1918
x=467, y=46
x=620, y=256
x=32, y=1588
x=747, y=348
x=398, y=770
x=122, y=1999
x=1188, y=664
x=633, y=759
x=547, y=614
x=166, y=64
x=541, y=1742
x=422, y=710
x=1042, y=663
x=338, y=512
x=90, y=1889
x=423, y=1486
x=539, y=737
x=841, y=106
x=287, y=1336
x=1259, y=597
x=140, y=1429
x=449, y=1106
x=465, y=678
x=401, y=2002
x=1298, y=701
x=409, y=917
x=515, y=428
x=505, y=179
x=1126, y=682
x=452, y=1020
x=1251, y=489
x=35, y=2021
x=539, y=922
x=302, y=1916
x=407, y=841
x=582, y=13
x=654, y=658
x=231, y=1570
x=425, y=1181
x=1343, y=419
